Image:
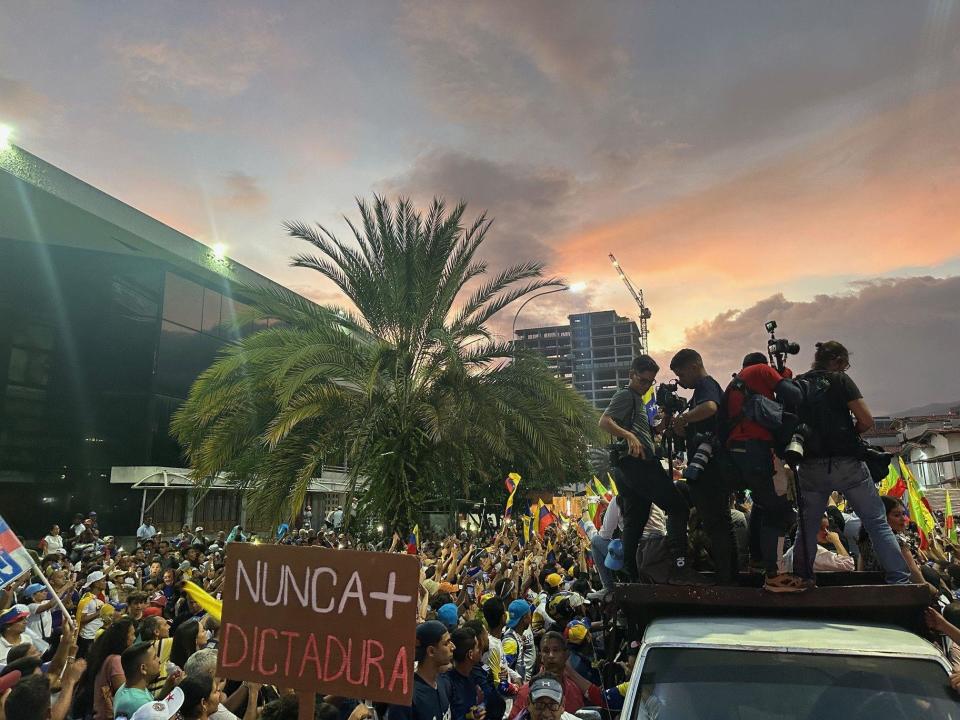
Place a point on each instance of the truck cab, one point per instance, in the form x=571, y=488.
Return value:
x=737, y=654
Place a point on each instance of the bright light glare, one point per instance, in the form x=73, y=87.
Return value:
x=6, y=132
x=577, y=287
x=219, y=251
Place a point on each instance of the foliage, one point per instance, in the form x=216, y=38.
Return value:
x=412, y=391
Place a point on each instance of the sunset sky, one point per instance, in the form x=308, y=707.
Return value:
x=744, y=160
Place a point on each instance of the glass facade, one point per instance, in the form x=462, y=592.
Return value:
x=97, y=351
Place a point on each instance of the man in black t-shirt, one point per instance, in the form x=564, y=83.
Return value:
x=431, y=690
x=710, y=492
x=643, y=481
x=836, y=413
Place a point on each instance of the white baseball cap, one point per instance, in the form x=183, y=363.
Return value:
x=161, y=709
x=93, y=577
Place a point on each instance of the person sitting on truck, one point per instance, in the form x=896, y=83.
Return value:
x=897, y=519
x=836, y=560
x=577, y=691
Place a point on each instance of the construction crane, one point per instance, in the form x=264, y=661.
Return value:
x=645, y=313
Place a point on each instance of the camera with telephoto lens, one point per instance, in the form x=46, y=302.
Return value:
x=668, y=400
x=793, y=452
x=706, y=444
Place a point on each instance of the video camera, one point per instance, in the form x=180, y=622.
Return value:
x=779, y=348
x=668, y=399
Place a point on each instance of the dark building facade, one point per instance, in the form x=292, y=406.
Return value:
x=593, y=352
x=553, y=343
x=106, y=318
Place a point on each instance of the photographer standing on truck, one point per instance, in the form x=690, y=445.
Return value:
x=751, y=446
x=710, y=491
x=833, y=460
x=643, y=481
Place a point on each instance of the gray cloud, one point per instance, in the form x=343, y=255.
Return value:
x=901, y=333
x=242, y=192
x=527, y=203
x=20, y=102
x=167, y=115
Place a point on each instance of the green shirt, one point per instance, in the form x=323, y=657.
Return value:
x=128, y=700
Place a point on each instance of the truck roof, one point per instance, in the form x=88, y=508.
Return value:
x=789, y=635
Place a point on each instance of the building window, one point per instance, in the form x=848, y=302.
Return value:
x=211, y=311
x=183, y=302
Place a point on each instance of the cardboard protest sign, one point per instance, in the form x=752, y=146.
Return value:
x=340, y=622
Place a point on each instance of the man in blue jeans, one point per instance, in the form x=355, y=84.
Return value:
x=832, y=462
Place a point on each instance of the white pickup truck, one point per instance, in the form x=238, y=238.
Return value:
x=764, y=668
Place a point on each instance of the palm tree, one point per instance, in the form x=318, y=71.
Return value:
x=412, y=389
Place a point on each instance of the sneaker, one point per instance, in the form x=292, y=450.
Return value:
x=787, y=583
x=682, y=574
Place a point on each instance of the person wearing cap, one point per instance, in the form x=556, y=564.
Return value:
x=513, y=642
x=40, y=621
x=580, y=643
x=577, y=690
x=431, y=691
x=88, y=611
x=546, y=699
x=449, y=615
x=162, y=709
x=13, y=626
x=466, y=699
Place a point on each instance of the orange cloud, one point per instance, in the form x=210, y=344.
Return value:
x=865, y=200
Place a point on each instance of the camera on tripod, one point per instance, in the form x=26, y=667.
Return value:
x=779, y=348
x=706, y=445
x=668, y=400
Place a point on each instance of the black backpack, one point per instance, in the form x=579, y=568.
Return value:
x=831, y=428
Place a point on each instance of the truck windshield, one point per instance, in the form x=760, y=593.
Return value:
x=684, y=683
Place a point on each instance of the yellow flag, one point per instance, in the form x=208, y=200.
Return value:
x=918, y=510
x=613, y=485
x=204, y=599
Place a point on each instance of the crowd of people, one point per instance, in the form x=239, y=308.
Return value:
x=509, y=619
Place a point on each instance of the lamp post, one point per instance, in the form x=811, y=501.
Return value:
x=574, y=288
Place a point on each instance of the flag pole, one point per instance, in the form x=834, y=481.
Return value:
x=53, y=593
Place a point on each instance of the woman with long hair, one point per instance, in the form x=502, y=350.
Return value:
x=188, y=638
x=104, y=674
x=897, y=520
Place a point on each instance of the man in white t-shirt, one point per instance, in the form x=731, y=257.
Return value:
x=146, y=531
x=88, y=611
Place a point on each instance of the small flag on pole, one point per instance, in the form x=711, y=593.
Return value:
x=948, y=520
x=14, y=558
x=413, y=541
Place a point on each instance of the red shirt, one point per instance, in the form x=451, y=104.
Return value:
x=762, y=379
x=573, y=698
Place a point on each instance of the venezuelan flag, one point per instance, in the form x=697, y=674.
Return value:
x=512, y=482
x=545, y=518
x=413, y=540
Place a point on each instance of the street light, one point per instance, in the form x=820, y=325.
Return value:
x=6, y=132
x=574, y=288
